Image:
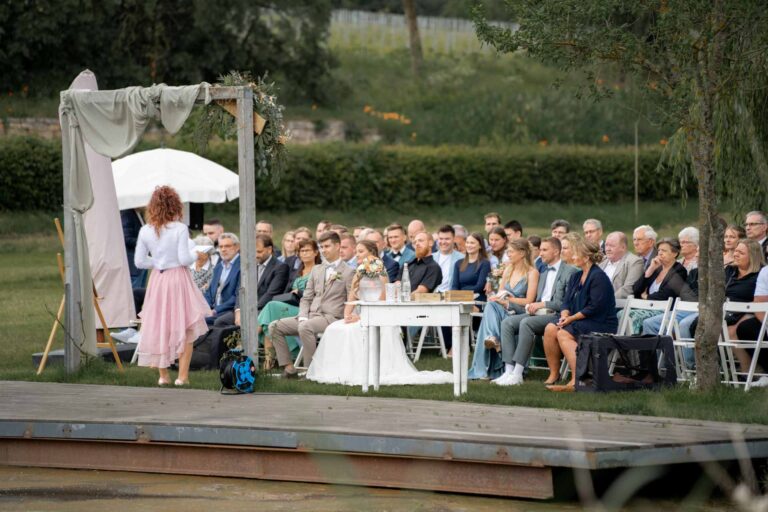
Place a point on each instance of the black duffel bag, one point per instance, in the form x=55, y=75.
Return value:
x=636, y=362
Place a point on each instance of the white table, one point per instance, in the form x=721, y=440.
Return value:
x=375, y=315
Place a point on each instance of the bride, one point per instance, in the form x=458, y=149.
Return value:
x=340, y=356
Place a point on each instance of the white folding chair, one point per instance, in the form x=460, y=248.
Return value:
x=727, y=344
x=436, y=333
x=680, y=342
x=625, y=324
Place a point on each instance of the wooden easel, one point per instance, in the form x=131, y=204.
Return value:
x=110, y=344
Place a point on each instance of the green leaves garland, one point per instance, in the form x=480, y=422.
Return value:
x=269, y=146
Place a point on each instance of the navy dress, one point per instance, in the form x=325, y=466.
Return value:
x=472, y=278
x=594, y=299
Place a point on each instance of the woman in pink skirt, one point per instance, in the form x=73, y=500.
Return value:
x=174, y=310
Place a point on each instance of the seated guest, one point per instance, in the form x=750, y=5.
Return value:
x=425, y=275
x=377, y=237
x=272, y=276
x=733, y=233
x=225, y=283
x=589, y=306
x=460, y=238
x=689, y=248
x=644, y=240
x=497, y=245
x=202, y=268
x=740, y=284
x=470, y=273
x=535, y=242
x=357, y=231
x=288, y=249
x=517, y=288
x=264, y=227
x=749, y=329
x=621, y=266
x=301, y=233
x=322, y=304
x=593, y=231
x=398, y=251
x=322, y=227
x=415, y=227
x=286, y=305
x=446, y=256
x=492, y=220
x=560, y=228
x=347, y=250
x=518, y=332
x=339, y=229
x=756, y=224
x=513, y=229
x=664, y=278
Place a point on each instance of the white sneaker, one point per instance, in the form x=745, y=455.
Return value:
x=125, y=334
x=515, y=380
x=761, y=382
x=135, y=339
x=500, y=379
x=504, y=380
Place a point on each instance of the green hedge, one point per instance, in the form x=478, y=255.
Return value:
x=346, y=176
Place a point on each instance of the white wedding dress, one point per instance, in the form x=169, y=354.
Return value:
x=340, y=357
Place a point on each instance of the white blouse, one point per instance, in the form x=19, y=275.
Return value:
x=171, y=249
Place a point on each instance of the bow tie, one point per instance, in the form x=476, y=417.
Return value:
x=395, y=254
x=551, y=269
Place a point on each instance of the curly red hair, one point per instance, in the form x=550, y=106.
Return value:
x=164, y=207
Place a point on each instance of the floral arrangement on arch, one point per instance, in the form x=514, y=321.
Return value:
x=371, y=267
x=269, y=142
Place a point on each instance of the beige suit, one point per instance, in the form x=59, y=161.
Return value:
x=628, y=270
x=321, y=305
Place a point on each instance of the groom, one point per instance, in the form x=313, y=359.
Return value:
x=322, y=304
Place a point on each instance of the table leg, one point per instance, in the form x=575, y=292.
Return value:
x=464, y=357
x=457, y=358
x=374, y=336
x=367, y=358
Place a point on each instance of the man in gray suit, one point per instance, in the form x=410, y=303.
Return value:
x=518, y=332
x=322, y=304
x=644, y=240
x=622, y=267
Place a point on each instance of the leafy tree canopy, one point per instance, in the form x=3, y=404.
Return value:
x=45, y=43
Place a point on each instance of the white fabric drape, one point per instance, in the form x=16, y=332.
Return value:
x=112, y=123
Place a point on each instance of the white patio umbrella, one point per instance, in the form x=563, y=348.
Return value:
x=196, y=179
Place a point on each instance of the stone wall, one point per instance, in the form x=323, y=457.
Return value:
x=302, y=132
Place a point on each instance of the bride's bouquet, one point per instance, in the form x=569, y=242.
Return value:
x=371, y=267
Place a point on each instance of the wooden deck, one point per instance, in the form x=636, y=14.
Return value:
x=369, y=441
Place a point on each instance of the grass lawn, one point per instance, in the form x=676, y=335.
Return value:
x=32, y=290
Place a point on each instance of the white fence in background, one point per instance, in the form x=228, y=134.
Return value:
x=386, y=32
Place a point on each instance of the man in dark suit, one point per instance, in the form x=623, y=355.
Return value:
x=398, y=250
x=756, y=225
x=225, y=283
x=390, y=264
x=518, y=332
x=644, y=240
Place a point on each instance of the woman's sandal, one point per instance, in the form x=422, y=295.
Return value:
x=163, y=382
x=562, y=388
x=269, y=359
x=180, y=383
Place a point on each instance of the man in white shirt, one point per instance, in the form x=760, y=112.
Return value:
x=446, y=256
x=518, y=332
x=622, y=267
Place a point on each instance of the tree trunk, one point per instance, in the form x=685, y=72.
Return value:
x=417, y=58
x=711, y=274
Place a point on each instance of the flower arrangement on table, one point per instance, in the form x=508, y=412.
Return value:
x=371, y=267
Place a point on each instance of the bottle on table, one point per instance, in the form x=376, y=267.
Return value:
x=406, y=285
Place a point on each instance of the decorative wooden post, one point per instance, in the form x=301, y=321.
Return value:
x=247, y=170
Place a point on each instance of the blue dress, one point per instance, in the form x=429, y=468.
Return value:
x=471, y=278
x=594, y=299
x=487, y=363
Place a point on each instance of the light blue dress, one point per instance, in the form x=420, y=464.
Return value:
x=487, y=363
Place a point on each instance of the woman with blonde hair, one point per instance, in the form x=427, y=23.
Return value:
x=517, y=288
x=174, y=311
x=288, y=247
x=589, y=306
x=733, y=233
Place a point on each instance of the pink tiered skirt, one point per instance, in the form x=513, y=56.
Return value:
x=173, y=315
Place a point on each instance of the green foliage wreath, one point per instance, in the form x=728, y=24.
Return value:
x=269, y=146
